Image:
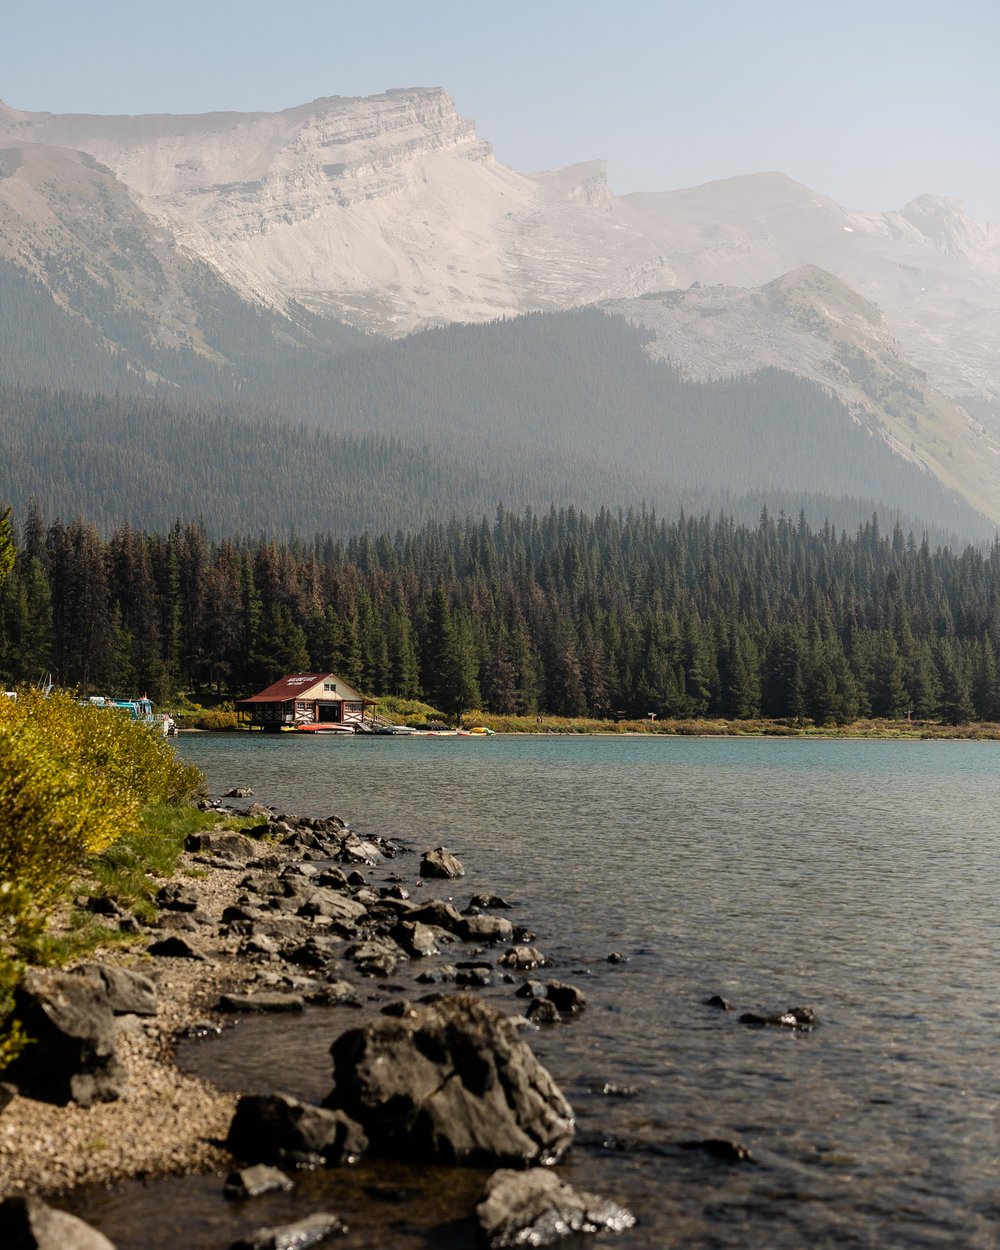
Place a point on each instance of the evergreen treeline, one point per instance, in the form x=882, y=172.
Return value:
x=558, y=612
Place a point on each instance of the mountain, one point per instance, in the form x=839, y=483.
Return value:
x=390, y=213
x=387, y=212
x=811, y=324
x=932, y=270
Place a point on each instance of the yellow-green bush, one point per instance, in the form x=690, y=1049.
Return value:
x=73, y=780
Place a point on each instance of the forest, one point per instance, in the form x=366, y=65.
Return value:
x=615, y=614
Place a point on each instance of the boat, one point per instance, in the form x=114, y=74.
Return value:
x=324, y=727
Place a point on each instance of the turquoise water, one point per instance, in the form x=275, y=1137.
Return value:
x=860, y=878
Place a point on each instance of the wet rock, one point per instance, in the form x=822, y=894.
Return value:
x=439, y=913
x=616, y=957
x=298, y=1236
x=436, y=976
x=716, y=1000
x=276, y=1128
x=128, y=992
x=474, y=976
x=239, y=792
x=541, y=1011
x=418, y=940
x=531, y=989
x=72, y=1057
x=397, y=892
x=536, y=1208
x=177, y=896
x=566, y=998
x=254, y=1181
x=488, y=901
x=272, y=1003
x=376, y=958
x=222, y=844
x=800, y=1018
x=175, y=947
x=332, y=879
x=440, y=863
x=354, y=850
x=487, y=929
x=611, y=1090
x=452, y=1081
x=523, y=957
x=30, y=1224
x=720, y=1148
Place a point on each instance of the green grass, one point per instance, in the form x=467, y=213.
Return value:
x=127, y=871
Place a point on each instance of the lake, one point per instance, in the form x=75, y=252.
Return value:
x=857, y=877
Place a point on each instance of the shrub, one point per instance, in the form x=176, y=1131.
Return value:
x=73, y=780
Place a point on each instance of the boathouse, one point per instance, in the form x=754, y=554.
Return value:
x=304, y=699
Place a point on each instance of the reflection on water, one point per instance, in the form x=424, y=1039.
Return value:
x=857, y=877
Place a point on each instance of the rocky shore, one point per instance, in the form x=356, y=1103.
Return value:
x=304, y=912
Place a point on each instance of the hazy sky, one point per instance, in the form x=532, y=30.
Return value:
x=871, y=103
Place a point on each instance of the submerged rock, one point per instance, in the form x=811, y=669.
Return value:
x=276, y=1128
x=30, y=1224
x=536, y=1208
x=298, y=1236
x=254, y=1181
x=454, y=1081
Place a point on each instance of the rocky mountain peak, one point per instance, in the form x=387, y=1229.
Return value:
x=945, y=223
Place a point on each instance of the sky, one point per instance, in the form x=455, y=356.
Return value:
x=869, y=103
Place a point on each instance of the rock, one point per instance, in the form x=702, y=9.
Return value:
x=801, y=1018
x=334, y=906
x=418, y=940
x=531, y=989
x=174, y=948
x=102, y=906
x=523, y=957
x=536, y=1208
x=223, y=844
x=8, y=1091
x=177, y=897
x=252, y=1182
x=440, y=914
x=452, y=1081
x=298, y=1236
x=72, y=1057
x=616, y=957
x=128, y=992
x=353, y=850
x=541, y=1011
x=261, y=1002
x=276, y=1128
x=716, y=1000
x=376, y=958
x=239, y=792
x=487, y=901
x=565, y=997
x=30, y=1224
x=440, y=863
x=487, y=929
x=720, y=1148
x=177, y=922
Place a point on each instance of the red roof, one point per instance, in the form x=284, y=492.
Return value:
x=288, y=688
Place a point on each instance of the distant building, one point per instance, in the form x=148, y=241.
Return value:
x=303, y=699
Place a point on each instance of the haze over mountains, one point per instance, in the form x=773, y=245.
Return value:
x=242, y=256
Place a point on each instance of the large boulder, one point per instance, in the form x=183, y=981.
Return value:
x=30, y=1224
x=128, y=992
x=72, y=1056
x=223, y=844
x=536, y=1208
x=451, y=1080
x=276, y=1128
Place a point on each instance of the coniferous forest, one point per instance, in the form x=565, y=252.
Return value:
x=615, y=614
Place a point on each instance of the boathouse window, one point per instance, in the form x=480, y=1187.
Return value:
x=329, y=685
